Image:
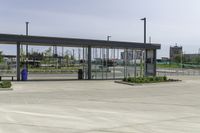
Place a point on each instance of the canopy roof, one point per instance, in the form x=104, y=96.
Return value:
x=71, y=42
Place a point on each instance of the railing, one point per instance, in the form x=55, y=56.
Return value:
x=7, y=72
x=178, y=72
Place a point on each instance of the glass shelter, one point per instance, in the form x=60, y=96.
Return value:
x=97, y=59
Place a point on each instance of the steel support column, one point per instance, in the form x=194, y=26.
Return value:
x=89, y=62
x=135, y=63
x=18, y=61
x=145, y=62
x=154, y=61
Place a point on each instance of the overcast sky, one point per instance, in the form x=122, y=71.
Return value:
x=168, y=21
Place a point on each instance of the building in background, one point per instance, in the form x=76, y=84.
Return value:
x=175, y=52
x=192, y=58
x=178, y=56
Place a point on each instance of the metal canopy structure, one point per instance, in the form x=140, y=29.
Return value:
x=150, y=48
x=71, y=42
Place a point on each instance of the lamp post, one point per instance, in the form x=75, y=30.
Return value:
x=107, y=57
x=27, y=45
x=145, y=52
x=144, y=19
x=182, y=58
x=107, y=50
x=108, y=38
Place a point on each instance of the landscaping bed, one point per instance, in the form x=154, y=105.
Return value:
x=5, y=85
x=143, y=80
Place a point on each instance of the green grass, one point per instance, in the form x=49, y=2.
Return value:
x=175, y=65
x=168, y=66
x=54, y=70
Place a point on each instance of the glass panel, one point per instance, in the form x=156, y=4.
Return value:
x=7, y=61
x=111, y=64
x=119, y=63
x=130, y=63
x=85, y=63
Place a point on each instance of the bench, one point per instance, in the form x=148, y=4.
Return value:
x=12, y=76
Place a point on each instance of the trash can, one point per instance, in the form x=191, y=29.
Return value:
x=80, y=74
x=24, y=74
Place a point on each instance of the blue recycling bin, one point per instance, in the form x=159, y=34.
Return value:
x=24, y=74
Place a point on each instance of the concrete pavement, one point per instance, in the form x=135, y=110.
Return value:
x=101, y=107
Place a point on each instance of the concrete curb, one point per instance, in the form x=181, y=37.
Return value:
x=6, y=89
x=140, y=84
x=126, y=83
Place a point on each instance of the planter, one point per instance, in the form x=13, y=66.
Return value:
x=145, y=80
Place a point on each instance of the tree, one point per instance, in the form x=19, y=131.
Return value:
x=177, y=58
x=197, y=60
x=35, y=55
x=67, y=57
x=1, y=56
x=48, y=52
x=22, y=55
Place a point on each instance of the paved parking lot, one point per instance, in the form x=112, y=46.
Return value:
x=101, y=107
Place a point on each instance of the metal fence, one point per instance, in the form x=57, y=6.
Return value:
x=178, y=72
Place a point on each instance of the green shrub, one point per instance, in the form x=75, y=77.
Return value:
x=124, y=79
x=151, y=79
x=132, y=80
x=165, y=78
x=5, y=84
x=146, y=79
x=129, y=79
x=157, y=79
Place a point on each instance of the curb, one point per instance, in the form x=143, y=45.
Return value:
x=6, y=89
x=126, y=83
x=140, y=84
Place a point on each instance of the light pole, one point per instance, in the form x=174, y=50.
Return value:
x=145, y=25
x=27, y=45
x=182, y=58
x=145, y=52
x=150, y=39
x=107, y=57
x=108, y=38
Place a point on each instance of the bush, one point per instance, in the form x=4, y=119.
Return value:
x=151, y=79
x=129, y=79
x=124, y=79
x=5, y=84
x=165, y=78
